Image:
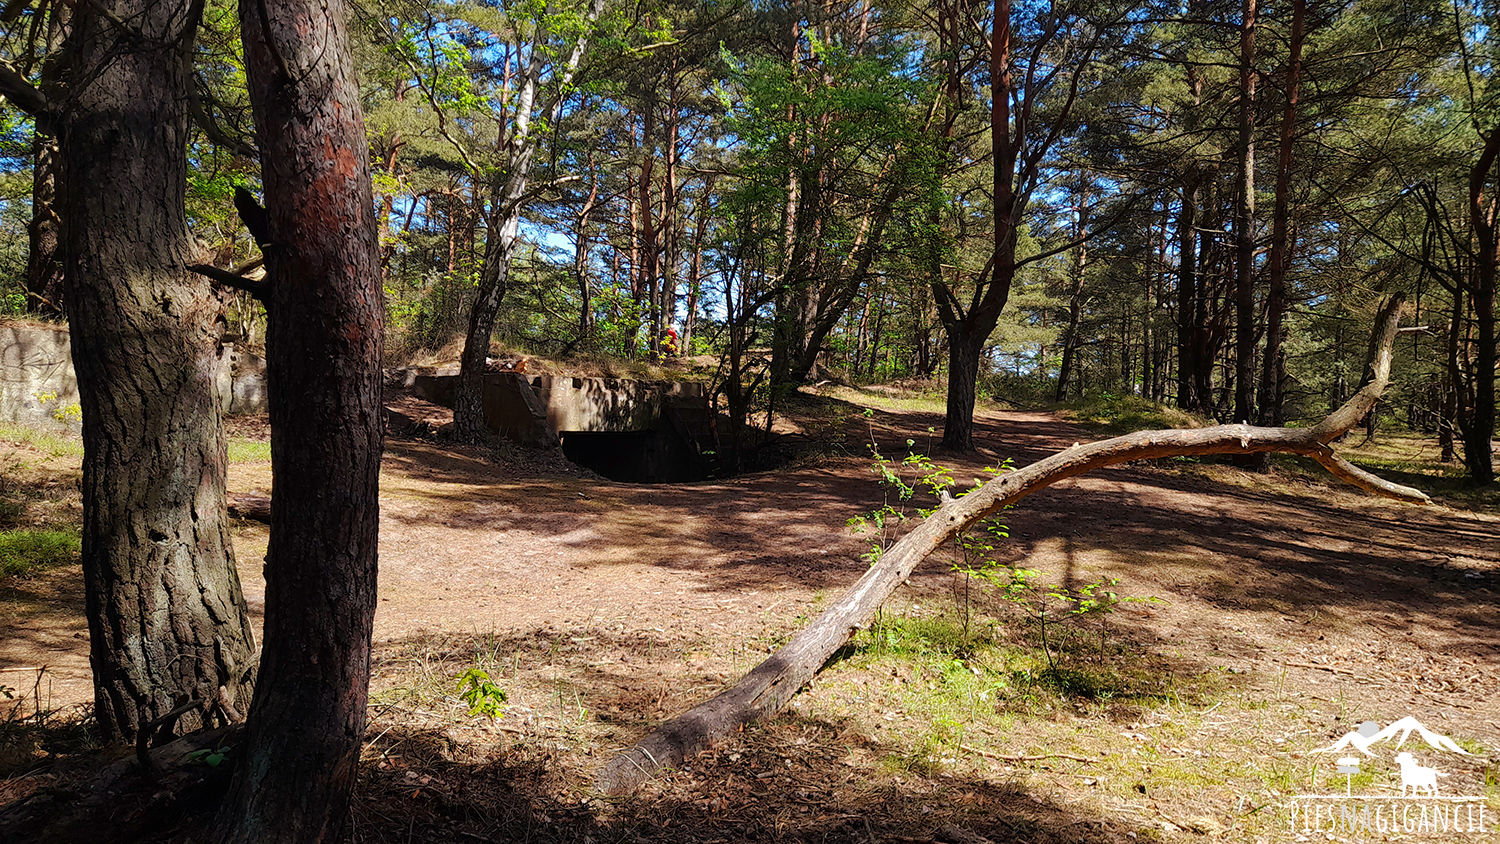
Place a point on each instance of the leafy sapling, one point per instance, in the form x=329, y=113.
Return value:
x=480, y=693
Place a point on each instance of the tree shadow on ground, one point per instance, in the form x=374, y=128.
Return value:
x=1398, y=566
x=1254, y=550
x=794, y=780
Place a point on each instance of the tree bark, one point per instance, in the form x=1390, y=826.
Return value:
x=1484, y=218
x=769, y=686
x=964, y=352
x=1244, y=228
x=1187, y=297
x=295, y=772
x=45, y=282
x=1070, y=338
x=1273, y=363
x=44, y=271
x=167, y=620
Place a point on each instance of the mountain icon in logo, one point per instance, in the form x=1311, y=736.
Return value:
x=1370, y=733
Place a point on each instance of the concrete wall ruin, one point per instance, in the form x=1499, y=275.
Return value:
x=38, y=387
x=623, y=429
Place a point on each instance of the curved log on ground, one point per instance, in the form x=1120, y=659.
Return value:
x=769, y=686
x=252, y=505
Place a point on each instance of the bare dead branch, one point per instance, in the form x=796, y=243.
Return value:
x=255, y=288
x=25, y=96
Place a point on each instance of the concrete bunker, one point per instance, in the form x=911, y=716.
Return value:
x=626, y=430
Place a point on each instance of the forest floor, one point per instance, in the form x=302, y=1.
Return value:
x=1284, y=612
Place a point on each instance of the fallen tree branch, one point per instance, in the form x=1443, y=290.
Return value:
x=154, y=732
x=762, y=693
x=126, y=801
x=231, y=279
x=254, y=506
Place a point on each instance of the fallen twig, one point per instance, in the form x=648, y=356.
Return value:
x=1334, y=668
x=1033, y=758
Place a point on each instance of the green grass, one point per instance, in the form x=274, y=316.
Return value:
x=888, y=398
x=249, y=451
x=1116, y=415
x=1406, y=458
x=1412, y=459
x=54, y=443
x=972, y=666
x=25, y=551
x=58, y=444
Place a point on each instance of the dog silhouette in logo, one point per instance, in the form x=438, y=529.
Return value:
x=1416, y=777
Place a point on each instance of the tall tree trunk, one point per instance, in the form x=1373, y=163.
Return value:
x=1273, y=363
x=1484, y=218
x=502, y=236
x=296, y=770
x=650, y=247
x=44, y=261
x=44, y=266
x=167, y=620
x=500, y=245
x=581, y=274
x=964, y=352
x=695, y=270
x=969, y=330
x=1018, y=153
x=671, y=221
x=1187, y=300
x=1075, y=298
x=1244, y=228
x=1453, y=380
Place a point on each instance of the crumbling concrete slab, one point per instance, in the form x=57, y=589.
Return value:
x=517, y=405
x=38, y=386
x=598, y=405
x=37, y=383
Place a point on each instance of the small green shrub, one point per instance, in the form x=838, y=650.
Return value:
x=480, y=693
x=23, y=551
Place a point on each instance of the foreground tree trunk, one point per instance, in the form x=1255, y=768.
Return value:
x=167, y=620
x=769, y=686
x=295, y=773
